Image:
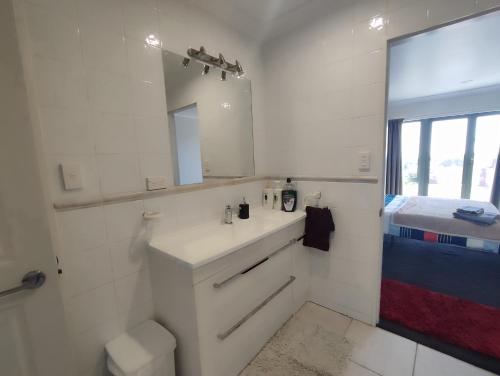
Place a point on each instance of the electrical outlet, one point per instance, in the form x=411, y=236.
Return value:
x=154, y=183
x=72, y=176
x=364, y=161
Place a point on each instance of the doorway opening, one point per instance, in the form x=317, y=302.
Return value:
x=441, y=254
x=186, y=145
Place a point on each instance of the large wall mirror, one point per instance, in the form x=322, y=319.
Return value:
x=210, y=121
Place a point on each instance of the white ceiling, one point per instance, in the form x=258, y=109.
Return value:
x=264, y=19
x=451, y=59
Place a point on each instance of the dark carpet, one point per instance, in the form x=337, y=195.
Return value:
x=450, y=270
x=466, y=274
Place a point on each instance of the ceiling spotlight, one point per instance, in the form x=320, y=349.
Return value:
x=185, y=62
x=377, y=23
x=239, y=69
x=223, y=76
x=222, y=61
x=153, y=41
x=205, y=70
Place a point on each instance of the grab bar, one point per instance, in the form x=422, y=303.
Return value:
x=31, y=280
x=227, y=333
x=218, y=285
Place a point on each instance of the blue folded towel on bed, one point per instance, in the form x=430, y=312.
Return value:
x=472, y=210
x=481, y=219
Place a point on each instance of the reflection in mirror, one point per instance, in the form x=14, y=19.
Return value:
x=210, y=121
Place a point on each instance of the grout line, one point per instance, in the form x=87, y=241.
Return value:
x=364, y=367
x=415, y=359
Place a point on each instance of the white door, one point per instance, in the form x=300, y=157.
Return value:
x=33, y=340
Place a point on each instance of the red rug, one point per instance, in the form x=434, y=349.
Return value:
x=453, y=320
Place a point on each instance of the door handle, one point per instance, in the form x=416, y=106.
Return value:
x=31, y=280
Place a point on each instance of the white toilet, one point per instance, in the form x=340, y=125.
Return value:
x=146, y=350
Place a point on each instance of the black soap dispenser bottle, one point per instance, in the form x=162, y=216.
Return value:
x=244, y=210
x=289, y=197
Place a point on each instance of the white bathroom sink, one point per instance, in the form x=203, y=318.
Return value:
x=199, y=245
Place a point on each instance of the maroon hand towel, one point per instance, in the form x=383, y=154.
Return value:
x=319, y=224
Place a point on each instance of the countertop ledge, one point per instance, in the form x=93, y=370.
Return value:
x=199, y=245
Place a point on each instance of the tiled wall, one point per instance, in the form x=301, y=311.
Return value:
x=325, y=90
x=99, y=94
x=105, y=281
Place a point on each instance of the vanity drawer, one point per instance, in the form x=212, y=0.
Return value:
x=233, y=328
x=226, y=297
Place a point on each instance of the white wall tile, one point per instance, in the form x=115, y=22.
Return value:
x=145, y=62
x=141, y=19
x=92, y=308
x=53, y=35
x=66, y=131
x=108, y=92
x=60, y=84
x=148, y=98
x=85, y=270
x=367, y=39
x=407, y=19
x=104, y=16
x=82, y=229
x=65, y=7
x=124, y=221
x=370, y=67
x=115, y=133
x=448, y=10
x=152, y=134
x=128, y=256
x=104, y=51
x=132, y=291
x=119, y=173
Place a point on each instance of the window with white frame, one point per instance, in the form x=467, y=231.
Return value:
x=451, y=157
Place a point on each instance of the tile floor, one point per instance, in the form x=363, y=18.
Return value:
x=378, y=352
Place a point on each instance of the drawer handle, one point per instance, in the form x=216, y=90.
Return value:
x=218, y=285
x=223, y=336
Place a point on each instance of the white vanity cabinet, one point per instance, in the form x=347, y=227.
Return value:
x=223, y=311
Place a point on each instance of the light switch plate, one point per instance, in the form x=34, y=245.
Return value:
x=154, y=183
x=364, y=161
x=72, y=176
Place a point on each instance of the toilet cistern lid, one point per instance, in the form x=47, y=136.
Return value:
x=138, y=347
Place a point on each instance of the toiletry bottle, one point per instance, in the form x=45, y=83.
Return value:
x=277, y=195
x=244, y=210
x=289, y=196
x=267, y=197
x=228, y=215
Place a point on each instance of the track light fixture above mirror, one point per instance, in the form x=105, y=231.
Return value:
x=218, y=62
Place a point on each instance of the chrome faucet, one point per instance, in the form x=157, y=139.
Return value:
x=228, y=215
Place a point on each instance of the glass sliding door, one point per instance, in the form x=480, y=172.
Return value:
x=453, y=157
x=448, y=142
x=487, y=142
